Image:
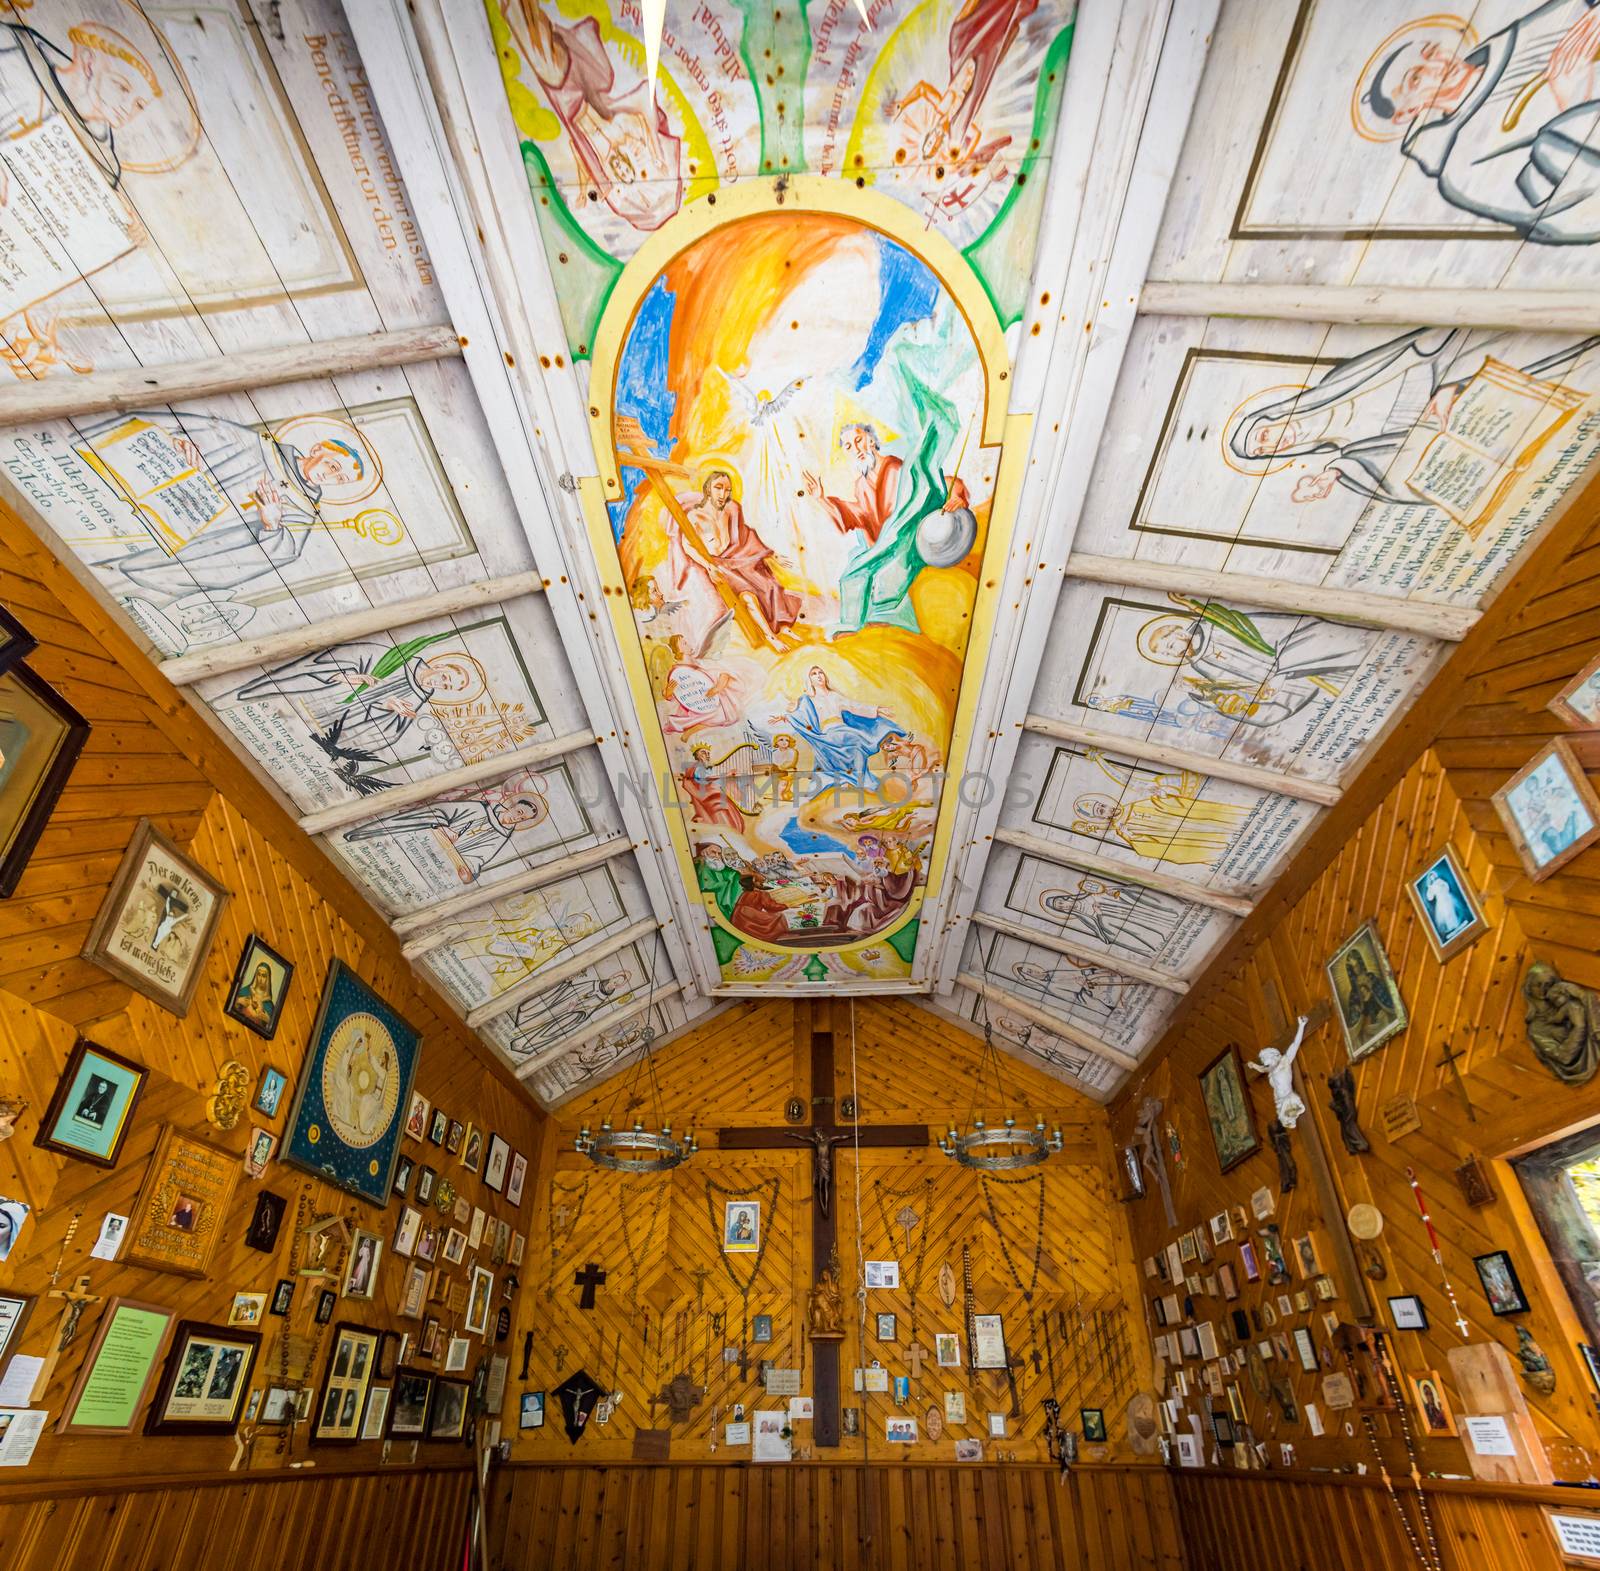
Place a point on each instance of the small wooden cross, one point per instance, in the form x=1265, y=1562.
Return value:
x=560, y=1214
x=908, y=1219
x=1451, y=1060
x=589, y=1279
x=914, y=1356
x=74, y=1301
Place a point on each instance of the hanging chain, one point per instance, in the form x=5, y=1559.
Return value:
x=557, y=1235
x=913, y=1278
x=634, y=1257
x=743, y=1288
x=1005, y=1249
x=1431, y=1560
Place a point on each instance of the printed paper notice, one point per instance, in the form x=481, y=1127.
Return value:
x=1577, y=1535
x=783, y=1382
x=883, y=1273
x=21, y=1375
x=1489, y=1435
x=19, y=1434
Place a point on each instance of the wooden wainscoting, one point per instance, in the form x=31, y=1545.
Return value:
x=388, y=1519
x=1307, y=1522
x=676, y=1516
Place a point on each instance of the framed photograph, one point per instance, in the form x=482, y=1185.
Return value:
x=265, y=1221
x=16, y=642
x=428, y=1244
x=1365, y=992
x=427, y=1177
x=1307, y=1256
x=530, y=1410
x=345, y=1125
x=447, y=1412
x=1228, y=1111
x=15, y=1310
x=157, y=921
x=205, y=1382
x=361, y=1269
x=269, y=1091
x=377, y=1411
x=452, y=1138
x=1452, y=916
x=1408, y=1313
x=1305, y=1349
x=41, y=736
x=118, y=1369
x=455, y=1247
x=516, y=1178
x=496, y=1159
x=282, y=1296
x=177, y=1219
x=414, y=1292
x=1501, y=1285
x=327, y=1302
x=1427, y=1391
x=417, y=1117
x=277, y=1407
x=480, y=1298
x=343, y=1397
x=1093, y=1420
x=456, y=1355
x=1222, y=1228
x=1549, y=809
x=260, y=983
x=886, y=1328
x=91, y=1108
x=439, y=1127
x=472, y=1149
x=258, y=1152
x=408, y=1407
x=247, y=1309
x=741, y=1227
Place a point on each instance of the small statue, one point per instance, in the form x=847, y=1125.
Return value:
x=1563, y=1024
x=11, y=1109
x=1536, y=1370
x=824, y=1307
x=1148, y=1139
x=1277, y=1064
x=1288, y=1173
x=1342, y=1090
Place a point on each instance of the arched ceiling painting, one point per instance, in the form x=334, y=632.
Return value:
x=940, y=497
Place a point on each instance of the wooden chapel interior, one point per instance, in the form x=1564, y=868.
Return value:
x=1260, y=536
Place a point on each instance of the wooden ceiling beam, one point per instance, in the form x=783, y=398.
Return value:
x=1146, y=878
x=1320, y=792
x=147, y=386
x=542, y=981
x=560, y=1049
x=276, y=648
x=1448, y=622
x=364, y=809
x=1047, y=1022
x=1367, y=305
x=1154, y=975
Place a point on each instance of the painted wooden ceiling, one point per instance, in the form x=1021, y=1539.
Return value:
x=937, y=497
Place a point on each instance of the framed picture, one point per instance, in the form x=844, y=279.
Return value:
x=354, y=1091
x=1408, y=1313
x=480, y=1298
x=456, y=1354
x=343, y=1397
x=1451, y=915
x=247, y=1309
x=886, y=1328
x=41, y=736
x=361, y=1271
x=15, y=1310
x=16, y=642
x=408, y=1407
x=447, y=1412
x=177, y=1218
x=426, y=1178
x=495, y=1161
x=269, y=1091
x=414, y=1292
x=516, y=1178
x=1501, y=1285
x=1093, y=1420
x=530, y=1410
x=439, y=1127
x=1578, y=703
x=452, y=1138
x=1305, y=1349
x=403, y=1170
x=1365, y=992
x=1549, y=809
x=205, y=1382
x=92, y=1106
x=118, y=1369
x=157, y=921
x=1427, y=1391
x=282, y=1296
x=377, y=1411
x=277, y=1407
x=455, y=1246
x=260, y=982
x=265, y=1221
x=327, y=1302
x=988, y=1342
x=258, y=1152
x=741, y=1227
x=417, y=1117
x=1307, y=1256
x=1228, y=1111
x=472, y=1149
x=428, y=1342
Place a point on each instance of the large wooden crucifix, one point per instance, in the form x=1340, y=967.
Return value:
x=822, y=1134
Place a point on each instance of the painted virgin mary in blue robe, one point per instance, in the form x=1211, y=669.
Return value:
x=842, y=740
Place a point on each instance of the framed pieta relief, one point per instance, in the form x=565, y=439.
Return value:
x=177, y=1218
x=157, y=921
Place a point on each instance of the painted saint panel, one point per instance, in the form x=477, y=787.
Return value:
x=607, y=1053
x=1063, y=1060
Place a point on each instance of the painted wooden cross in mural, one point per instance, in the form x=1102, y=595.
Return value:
x=822, y=1134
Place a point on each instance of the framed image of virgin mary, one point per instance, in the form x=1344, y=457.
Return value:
x=255, y=997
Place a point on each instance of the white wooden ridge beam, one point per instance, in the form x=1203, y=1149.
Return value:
x=560, y=1049
x=428, y=928
x=1146, y=878
x=1280, y=594
x=275, y=648
x=415, y=792
x=1047, y=1022
x=140, y=387
x=541, y=981
x=1154, y=975
x=1324, y=794
x=1532, y=310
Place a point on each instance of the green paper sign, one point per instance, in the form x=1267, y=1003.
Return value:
x=110, y=1396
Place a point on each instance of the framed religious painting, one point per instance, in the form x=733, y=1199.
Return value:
x=1228, y=1110
x=15, y=1310
x=91, y=1109
x=118, y=1370
x=741, y=1227
x=530, y=1410
x=408, y=1407
x=472, y=1149
x=495, y=1161
x=516, y=1177
x=480, y=1298
x=1578, y=703
x=1451, y=914
x=447, y=1412
x=354, y=1091
x=41, y=736
x=438, y=1127
x=342, y=1400
x=157, y=921
x=1370, y=1007
x=1501, y=1284
x=205, y=1382
x=1549, y=809
x=16, y=642
x=361, y=1270
x=1427, y=1392
x=260, y=984
x=178, y=1215
x=416, y=1126
x=269, y=1091
x=453, y=1136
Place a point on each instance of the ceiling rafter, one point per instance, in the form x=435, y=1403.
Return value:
x=1121, y=964
x=1047, y=1021
x=543, y=981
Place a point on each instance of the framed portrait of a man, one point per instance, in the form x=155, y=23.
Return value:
x=92, y=1108
x=741, y=1227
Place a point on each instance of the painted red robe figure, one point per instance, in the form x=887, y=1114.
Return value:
x=877, y=476
x=709, y=802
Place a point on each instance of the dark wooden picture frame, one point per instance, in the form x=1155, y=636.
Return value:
x=183, y=1334
x=17, y=850
x=436, y=1430
x=1493, y=1292
x=1230, y=1059
x=408, y=1375
x=248, y=958
x=25, y=1304
x=46, y=1140
x=346, y=1333
x=16, y=642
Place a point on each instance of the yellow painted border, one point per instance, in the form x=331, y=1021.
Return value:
x=871, y=210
